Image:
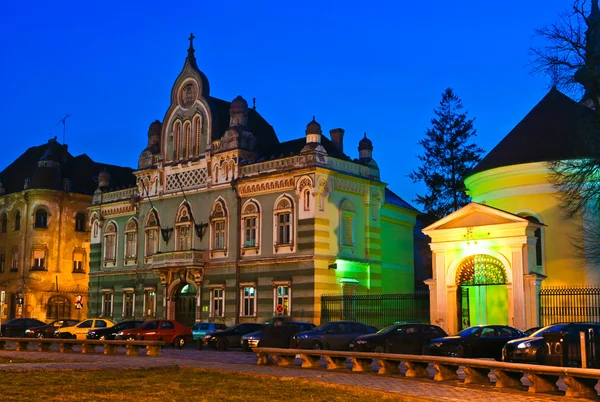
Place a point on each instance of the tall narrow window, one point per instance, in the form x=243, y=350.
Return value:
x=177, y=142
x=187, y=152
x=307, y=200
x=131, y=240
x=250, y=219
x=107, y=303
x=282, y=299
x=41, y=219
x=14, y=265
x=128, y=303
x=78, y=261
x=284, y=222
x=39, y=260
x=218, y=223
x=4, y=222
x=248, y=301
x=217, y=302
x=149, y=302
x=80, y=222
x=347, y=217
x=2, y=262
x=18, y=220
x=184, y=229
x=110, y=246
x=151, y=234
x=197, y=130
x=539, y=241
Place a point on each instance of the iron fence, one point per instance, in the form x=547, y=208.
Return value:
x=378, y=309
x=569, y=304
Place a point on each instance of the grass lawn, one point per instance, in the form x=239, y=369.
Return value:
x=175, y=384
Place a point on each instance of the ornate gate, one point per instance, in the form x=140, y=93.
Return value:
x=185, y=305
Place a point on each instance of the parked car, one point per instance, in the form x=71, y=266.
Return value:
x=252, y=339
x=202, y=328
x=533, y=348
x=336, y=335
x=169, y=331
x=48, y=330
x=530, y=331
x=477, y=341
x=222, y=340
x=398, y=338
x=79, y=331
x=16, y=327
x=111, y=332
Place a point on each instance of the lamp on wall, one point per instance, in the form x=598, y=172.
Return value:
x=166, y=234
x=200, y=229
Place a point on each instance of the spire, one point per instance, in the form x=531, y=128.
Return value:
x=191, y=57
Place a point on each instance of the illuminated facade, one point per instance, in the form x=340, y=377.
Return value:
x=228, y=224
x=514, y=226
x=44, y=232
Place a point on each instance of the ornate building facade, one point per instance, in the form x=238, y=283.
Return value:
x=44, y=232
x=229, y=224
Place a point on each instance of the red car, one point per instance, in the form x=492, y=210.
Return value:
x=159, y=330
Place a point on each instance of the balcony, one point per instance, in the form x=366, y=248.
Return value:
x=183, y=259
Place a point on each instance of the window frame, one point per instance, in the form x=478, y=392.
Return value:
x=80, y=225
x=284, y=206
x=219, y=229
x=251, y=211
x=152, y=226
x=109, y=254
x=131, y=240
x=4, y=223
x=39, y=263
x=40, y=220
x=249, y=301
x=126, y=313
x=347, y=216
x=148, y=290
x=18, y=220
x=217, y=298
x=108, y=298
x=183, y=230
x=287, y=307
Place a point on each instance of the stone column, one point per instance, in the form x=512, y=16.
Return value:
x=451, y=310
x=533, y=283
x=516, y=315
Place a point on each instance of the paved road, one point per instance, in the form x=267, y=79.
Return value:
x=241, y=362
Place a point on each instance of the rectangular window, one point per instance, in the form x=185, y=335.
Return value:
x=282, y=300
x=149, y=302
x=250, y=229
x=39, y=257
x=217, y=302
x=107, y=304
x=284, y=228
x=219, y=235
x=77, y=262
x=128, y=304
x=184, y=236
x=347, y=230
x=2, y=262
x=151, y=242
x=130, y=245
x=109, y=247
x=15, y=261
x=248, y=301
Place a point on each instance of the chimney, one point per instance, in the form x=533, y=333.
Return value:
x=337, y=137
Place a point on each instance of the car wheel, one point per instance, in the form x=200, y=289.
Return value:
x=317, y=345
x=222, y=344
x=178, y=342
x=378, y=349
x=66, y=335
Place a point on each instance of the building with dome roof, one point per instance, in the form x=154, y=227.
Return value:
x=229, y=224
x=44, y=231
x=511, y=256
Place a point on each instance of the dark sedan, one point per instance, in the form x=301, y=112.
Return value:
x=398, y=338
x=222, y=340
x=336, y=335
x=478, y=341
x=110, y=334
x=533, y=347
x=47, y=330
x=16, y=327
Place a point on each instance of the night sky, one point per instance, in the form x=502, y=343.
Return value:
x=378, y=67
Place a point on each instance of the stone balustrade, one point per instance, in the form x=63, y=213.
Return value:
x=580, y=383
x=153, y=348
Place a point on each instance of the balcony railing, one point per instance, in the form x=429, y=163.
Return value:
x=186, y=258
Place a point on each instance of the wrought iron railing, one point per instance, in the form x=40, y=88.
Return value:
x=378, y=309
x=569, y=304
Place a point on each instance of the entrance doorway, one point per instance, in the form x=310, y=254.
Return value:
x=482, y=294
x=185, y=305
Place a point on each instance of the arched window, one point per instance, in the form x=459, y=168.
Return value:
x=347, y=217
x=80, y=222
x=151, y=230
x=41, y=219
x=177, y=140
x=187, y=152
x=4, y=225
x=110, y=244
x=250, y=225
x=184, y=228
x=58, y=308
x=218, y=225
x=18, y=220
x=197, y=131
x=131, y=240
x=284, y=222
x=306, y=199
x=538, y=243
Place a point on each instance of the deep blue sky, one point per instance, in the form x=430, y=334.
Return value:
x=378, y=67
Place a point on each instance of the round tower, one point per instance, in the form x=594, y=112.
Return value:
x=365, y=149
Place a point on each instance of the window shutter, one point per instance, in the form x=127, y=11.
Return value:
x=347, y=230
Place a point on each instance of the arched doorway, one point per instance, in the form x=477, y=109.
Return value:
x=185, y=304
x=482, y=296
x=58, y=308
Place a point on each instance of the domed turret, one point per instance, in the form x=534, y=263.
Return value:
x=313, y=132
x=238, y=112
x=154, y=134
x=104, y=179
x=365, y=149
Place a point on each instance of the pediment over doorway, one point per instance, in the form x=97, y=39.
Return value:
x=474, y=215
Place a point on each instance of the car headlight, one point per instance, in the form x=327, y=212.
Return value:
x=302, y=336
x=361, y=342
x=120, y=333
x=28, y=331
x=437, y=344
x=523, y=345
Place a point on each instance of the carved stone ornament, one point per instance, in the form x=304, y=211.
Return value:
x=187, y=95
x=163, y=276
x=197, y=275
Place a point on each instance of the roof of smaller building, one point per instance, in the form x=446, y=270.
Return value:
x=293, y=147
x=395, y=199
x=556, y=128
